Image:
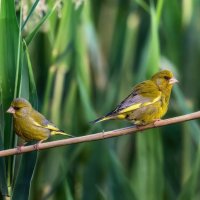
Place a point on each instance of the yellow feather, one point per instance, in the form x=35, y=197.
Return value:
x=104, y=119
x=37, y=124
x=59, y=133
x=51, y=127
x=48, y=126
x=138, y=105
x=121, y=116
x=54, y=130
x=131, y=108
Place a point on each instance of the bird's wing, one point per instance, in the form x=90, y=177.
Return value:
x=143, y=94
x=40, y=121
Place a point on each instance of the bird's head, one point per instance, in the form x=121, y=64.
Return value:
x=164, y=80
x=20, y=107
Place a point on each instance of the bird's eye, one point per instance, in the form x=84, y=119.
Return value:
x=166, y=77
x=16, y=108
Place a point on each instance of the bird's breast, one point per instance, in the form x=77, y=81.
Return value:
x=28, y=131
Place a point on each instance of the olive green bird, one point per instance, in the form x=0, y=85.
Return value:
x=147, y=103
x=29, y=124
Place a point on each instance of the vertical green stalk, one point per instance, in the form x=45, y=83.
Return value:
x=16, y=90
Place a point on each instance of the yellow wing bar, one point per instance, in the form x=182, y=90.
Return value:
x=138, y=105
x=47, y=126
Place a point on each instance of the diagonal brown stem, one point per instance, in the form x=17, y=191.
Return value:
x=102, y=135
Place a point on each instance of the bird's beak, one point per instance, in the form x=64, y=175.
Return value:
x=173, y=80
x=11, y=110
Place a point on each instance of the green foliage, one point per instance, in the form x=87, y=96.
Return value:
x=75, y=60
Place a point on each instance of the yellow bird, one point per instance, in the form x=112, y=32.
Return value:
x=148, y=101
x=29, y=124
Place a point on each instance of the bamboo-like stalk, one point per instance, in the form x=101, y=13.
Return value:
x=102, y=135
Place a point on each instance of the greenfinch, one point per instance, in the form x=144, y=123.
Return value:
x=148, y=101
x=29, y=124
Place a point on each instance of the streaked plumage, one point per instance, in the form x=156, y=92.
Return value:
x=29, y=124
x=148, y=101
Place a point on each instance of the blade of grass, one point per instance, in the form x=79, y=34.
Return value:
x=151, y=53
x=24, y=176
x=49, y=85
x=191, y=186
x=66, y=24
x=9, y=36
x=32, y=89
x=194, y=127
x=147, y=177
x=70, y=107
x=3, y=183
x=122, y=188
x=30, y=13
x=57, y=96
x=30, y=37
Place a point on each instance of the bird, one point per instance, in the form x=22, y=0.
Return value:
x=29, y=124
x=148, y=101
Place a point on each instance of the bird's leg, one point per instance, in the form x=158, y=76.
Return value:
x=36, y=146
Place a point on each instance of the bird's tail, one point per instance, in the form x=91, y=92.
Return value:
x=104, y=118
x=111, y=115
x=61, y=133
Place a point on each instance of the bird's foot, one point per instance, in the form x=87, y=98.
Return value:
x=19, y=149
x=155, y=122
x=137, y=126
x=36, y=146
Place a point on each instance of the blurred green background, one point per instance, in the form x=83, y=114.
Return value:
x=75, y=60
